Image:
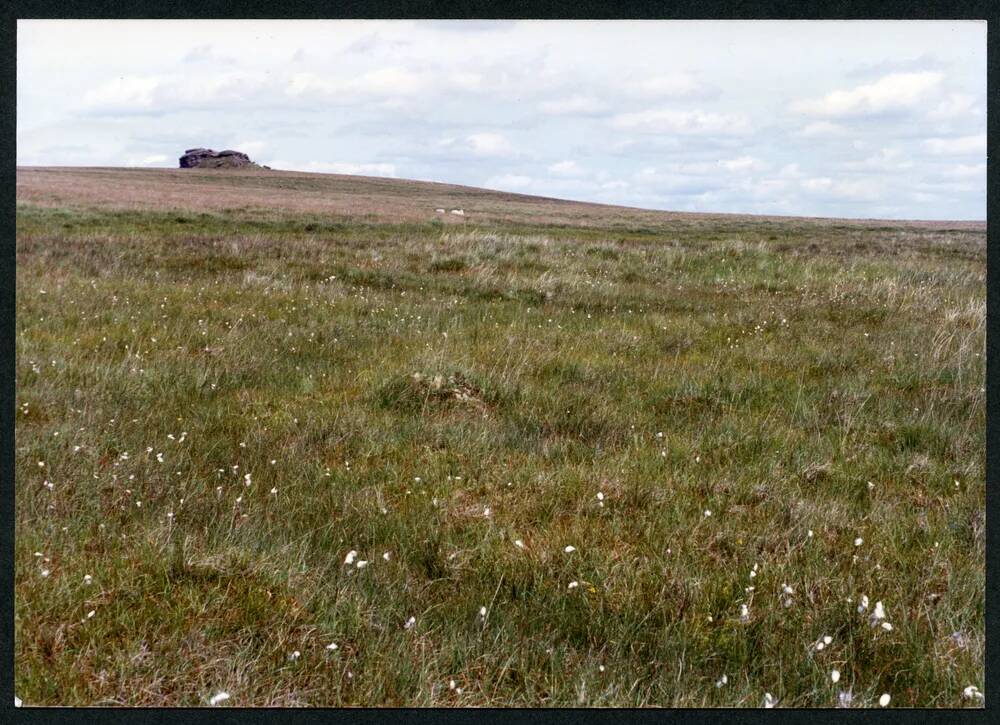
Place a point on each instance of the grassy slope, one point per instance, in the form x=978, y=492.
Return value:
x=786, y=363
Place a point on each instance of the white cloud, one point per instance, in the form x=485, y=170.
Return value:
x=743, y=163
x=206, y=54
x=821, y=129
x=133, y=94
x=335, y=167
x=682, y=122
x=466, y=81
x=566, y=168
x=509, y=182
x=957, y=145
x=846, y=189
x=483, y=144
x=390, y=82
x=578, y=105
x=894, y=92
x=151, y=160
x=125, y=92
x=490, y=144
x=887, y=159
x=671, y=85
x=966, y=171
x=250, y=148
x=956, y=105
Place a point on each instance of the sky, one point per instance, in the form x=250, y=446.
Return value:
x=853, y=119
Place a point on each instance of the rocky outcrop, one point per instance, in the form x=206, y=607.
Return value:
x=209, y=159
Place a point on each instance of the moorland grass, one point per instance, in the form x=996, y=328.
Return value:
x=213, y=409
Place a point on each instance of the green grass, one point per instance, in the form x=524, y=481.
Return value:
x=390, y=382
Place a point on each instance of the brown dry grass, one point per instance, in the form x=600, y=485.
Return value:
x=392, y=200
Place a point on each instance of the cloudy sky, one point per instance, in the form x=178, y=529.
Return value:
x=852, y=119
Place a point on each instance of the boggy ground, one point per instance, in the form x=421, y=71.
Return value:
x=745, y=429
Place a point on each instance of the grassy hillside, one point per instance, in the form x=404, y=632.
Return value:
x=591, y=455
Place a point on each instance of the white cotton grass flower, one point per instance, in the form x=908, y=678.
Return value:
x=361, y=564
x=744, y=613
x=788, y=592
x=878, y=618
x=863, y=604
x=884, y=700
x=573, y=585
x=294, y=655
x=569, y=549
x=217, y=698
x=518, y=543
x=274, y=491
x=386, y=556
x=859, y=541
x=973, y=693
x=45, y=573
x=769, y=700
x=87, y=579
x=482, y=613
x=410, y=622
x=487, y=512
x=332, y=646
x=351, y=556
x=835, y=676
x=708, y=513
x=721, y=681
